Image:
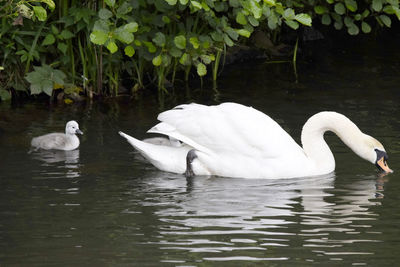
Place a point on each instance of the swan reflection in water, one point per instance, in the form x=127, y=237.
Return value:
x=326, y=216
x=68, y=160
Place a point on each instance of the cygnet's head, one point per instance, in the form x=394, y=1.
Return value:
x=72, y=127
x=376, y=154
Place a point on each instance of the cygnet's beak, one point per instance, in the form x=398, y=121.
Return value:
x=78, y=131
x=383, y=166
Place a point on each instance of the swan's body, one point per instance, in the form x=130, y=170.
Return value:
x=237, y=141
x=59, y=141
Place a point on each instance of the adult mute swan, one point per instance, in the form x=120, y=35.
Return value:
x=233, y=140
x=59, y=141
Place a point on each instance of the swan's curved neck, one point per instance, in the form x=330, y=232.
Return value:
x=314, y=145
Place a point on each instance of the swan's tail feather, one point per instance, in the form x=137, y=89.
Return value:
x=166, y=158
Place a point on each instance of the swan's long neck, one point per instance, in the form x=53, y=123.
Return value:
x=314, y=145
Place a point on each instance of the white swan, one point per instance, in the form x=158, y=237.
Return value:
x=59, y=141
x=233, y=140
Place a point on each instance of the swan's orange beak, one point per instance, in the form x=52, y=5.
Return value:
x=382, y=164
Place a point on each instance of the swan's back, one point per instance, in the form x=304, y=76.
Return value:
x=227, y=128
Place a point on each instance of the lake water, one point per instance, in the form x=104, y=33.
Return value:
x=102, y=205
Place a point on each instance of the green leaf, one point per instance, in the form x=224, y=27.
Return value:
x=98, y=37
x=112, y=47
x=338, y=24
x=49, y=3
x=171, y=2
x=255, y=9
x=185, y=59
x=105, y=14
x=201, y=69
x=110, y=3
x=124, y=36
x=386, y=20
x=241, y=19
x=131, y=27
x=62, y=47
x=243, y=32
x=326, y=19
x=180, y=41
x=129, y=51
x=150, y=47
x=4, y=95
x=183, y=2
x=166, y=19
x=40, y=13
x=292, y=24
x=175, y=52
x=253, y=21
x=157, y=61
x=304, y=19
x=228, y=40
x=49, y=39
x=365, y=27
x=195, y=42
x=353, y=29
x=377, y=5
x=319, y=10
x=351, y=5
x=340, y=8
x=47, y=87
x=196, y=4
x=54, y=30
x=288, y=14
x=66, y=34
x=159, y=39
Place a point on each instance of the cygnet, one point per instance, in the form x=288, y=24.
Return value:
x=59, y=141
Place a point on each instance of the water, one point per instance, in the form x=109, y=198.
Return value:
x=103, y=205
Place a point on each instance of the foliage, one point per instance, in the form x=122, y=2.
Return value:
x=95, y=43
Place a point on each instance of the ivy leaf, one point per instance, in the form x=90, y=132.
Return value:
x=304, y=19
x=49, y=39
x=340, y=9
x=201, y=69
x=180, y=41
x=112, y=47
x=351, y=5
x=129, y=51
x=98, y=37
x=40, y=13
x=365, y=27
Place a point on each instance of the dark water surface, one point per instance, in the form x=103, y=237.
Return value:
x=102, y=205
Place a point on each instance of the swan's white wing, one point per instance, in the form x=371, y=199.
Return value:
x=227, y=128
x=50, y=141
